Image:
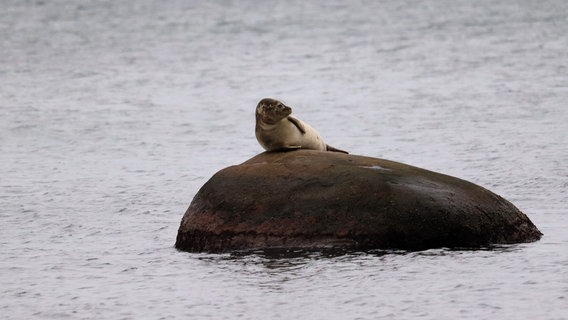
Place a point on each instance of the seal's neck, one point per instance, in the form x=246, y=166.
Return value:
x=269, y=119
x=266, y=126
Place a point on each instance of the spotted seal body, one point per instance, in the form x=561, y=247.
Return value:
x=276, y=129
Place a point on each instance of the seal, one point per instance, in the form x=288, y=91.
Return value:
x=276, y=129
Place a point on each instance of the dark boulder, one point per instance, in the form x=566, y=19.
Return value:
x=313, y=199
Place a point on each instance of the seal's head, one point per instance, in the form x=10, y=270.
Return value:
x=271, y=111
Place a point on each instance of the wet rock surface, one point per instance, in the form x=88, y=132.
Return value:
x=312, y=199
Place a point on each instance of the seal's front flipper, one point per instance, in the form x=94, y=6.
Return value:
x=298, y=124
x=330, y=148
x=291, y=147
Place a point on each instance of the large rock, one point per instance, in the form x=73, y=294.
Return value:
x=313, y=199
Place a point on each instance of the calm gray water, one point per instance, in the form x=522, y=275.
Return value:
x=114, y=114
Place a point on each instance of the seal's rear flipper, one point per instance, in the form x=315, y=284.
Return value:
x=330, y=148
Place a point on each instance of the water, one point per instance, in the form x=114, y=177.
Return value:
x=115, y=113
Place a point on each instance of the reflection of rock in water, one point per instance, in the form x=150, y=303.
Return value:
x=311, y=199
